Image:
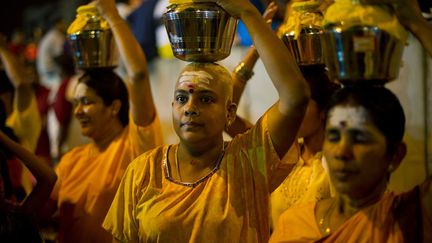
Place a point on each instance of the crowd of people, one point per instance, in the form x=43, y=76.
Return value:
x=313, y=168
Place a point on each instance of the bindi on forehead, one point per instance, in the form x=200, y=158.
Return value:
x=191, y=85
x=348, y=117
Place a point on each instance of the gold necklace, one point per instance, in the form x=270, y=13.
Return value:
x=193, y=184
x=177, y=162
x=324, y=222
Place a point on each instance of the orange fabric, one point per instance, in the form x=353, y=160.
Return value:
x=230, y=206
x=87, y=182
x=376, y=223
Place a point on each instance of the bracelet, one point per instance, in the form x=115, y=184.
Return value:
x=242, y=72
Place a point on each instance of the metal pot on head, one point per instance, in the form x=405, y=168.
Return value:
x=301, y=32
x=362, y=54
x=93, y=49
x=91, y=40
x=306, y=48
x=200, y=32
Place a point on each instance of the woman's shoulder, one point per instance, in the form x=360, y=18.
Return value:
x=153, y=156
x=146, y=167
x=75, y=152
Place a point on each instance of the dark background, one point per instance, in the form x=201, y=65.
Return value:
x=28, y=14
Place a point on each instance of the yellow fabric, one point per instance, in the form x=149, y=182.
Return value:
x=180, y=1
x=307, y=182
x=375, y=223
x=165, y=51
x=87, y=182
x=230, y=206
x=27, y=126
x=84, y=14
x=298, y=17
x=350, y=14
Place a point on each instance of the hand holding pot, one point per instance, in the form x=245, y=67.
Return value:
x=270, y=12
x=106, y=7
x=405, y=10
x=410, y=16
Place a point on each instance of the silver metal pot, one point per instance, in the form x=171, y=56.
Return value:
x=94, y=49
x=362, y=53
x=200, y=32
x=306, y=49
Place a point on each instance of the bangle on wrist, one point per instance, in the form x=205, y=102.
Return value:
x=242, y=72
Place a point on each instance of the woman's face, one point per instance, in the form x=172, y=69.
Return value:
x=355, y=151
x=92, y=114
x=199, y=107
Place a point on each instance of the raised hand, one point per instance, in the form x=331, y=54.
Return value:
x=409, y=15
x=105, y=7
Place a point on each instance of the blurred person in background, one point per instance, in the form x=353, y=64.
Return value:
x=120, y=119
x=20, y=103
x=19, y=220
x=363, y=146
x=50, y=46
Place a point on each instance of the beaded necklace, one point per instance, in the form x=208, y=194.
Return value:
x=190, y=184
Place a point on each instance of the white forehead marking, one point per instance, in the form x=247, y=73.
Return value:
x=195, y=77
x=348, y=116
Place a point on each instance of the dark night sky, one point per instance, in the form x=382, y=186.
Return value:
x=11, y=12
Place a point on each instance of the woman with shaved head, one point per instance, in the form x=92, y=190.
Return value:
x=204, y=189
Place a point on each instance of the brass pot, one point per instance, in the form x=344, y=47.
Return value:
x=306, y=48
x=94, y=49
x=91, y=40
x=200, y=32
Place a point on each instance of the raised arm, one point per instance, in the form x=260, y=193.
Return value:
x=15, y=71
x=25, y=119
x=44, y=175
x=410, y=16
x=241, y=75
x=141, y=100
x=285, y=116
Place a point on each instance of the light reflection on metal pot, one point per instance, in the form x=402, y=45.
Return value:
x=306, y=49
x=94, y=49
x=200, y=32
x=362, y=54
